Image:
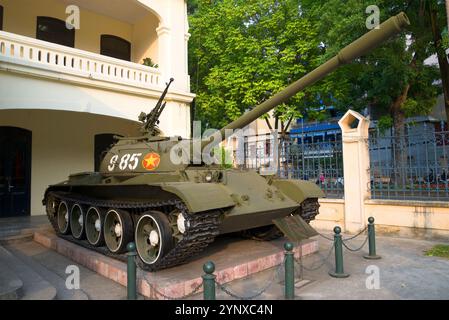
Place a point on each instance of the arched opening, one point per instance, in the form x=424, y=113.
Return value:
x=15, y=171
x=1, y=18
x=55, y=31
x=102, y=144
x=116, y=47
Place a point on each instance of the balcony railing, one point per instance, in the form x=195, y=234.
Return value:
x=53, y=57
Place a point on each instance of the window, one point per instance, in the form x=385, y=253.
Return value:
x=115, y=47
x=103, y=142
x=55, y=31
x=1, y=18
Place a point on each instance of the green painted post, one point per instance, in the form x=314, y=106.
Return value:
x=339, y=272
x=289, y=271
x=209, y=281
x=131, y=271
x=371, y=240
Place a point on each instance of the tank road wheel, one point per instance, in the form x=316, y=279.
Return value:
x=63, y=218
x=266, y=233
x=77, y=221
x=117, y=230
x=94, y=227
x=153, y=237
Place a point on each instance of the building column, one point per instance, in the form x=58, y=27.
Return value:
x=165, y=55
x=354, y=129
x=186, y=59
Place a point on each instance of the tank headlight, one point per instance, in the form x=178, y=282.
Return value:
x=209, y=177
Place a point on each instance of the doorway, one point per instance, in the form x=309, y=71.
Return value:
x=15, y=172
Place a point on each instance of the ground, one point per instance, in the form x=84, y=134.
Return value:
x=405, y=272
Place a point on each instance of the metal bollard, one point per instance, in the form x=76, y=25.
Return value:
x=131, y=271
x=371, y=241
x=209, y=281
x=289, y=271
x=339, y=272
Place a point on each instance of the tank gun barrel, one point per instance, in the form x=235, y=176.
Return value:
x=359, y=47
x=151, y=119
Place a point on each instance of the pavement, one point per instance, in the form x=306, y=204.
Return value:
x=43, y=273
x=404, y=272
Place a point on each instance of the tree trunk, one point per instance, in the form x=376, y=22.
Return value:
x=399, y=153
x=447, y=13
x=442, y=59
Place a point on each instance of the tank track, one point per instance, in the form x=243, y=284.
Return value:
x=309, y=209
x=202, y=228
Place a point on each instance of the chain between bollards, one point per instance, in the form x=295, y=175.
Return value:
x=339, y=270
x=209, y=281
x=289, y=271
x=371, y=240
x=131, y=271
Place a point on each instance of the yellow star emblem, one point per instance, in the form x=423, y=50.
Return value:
x=151, y=161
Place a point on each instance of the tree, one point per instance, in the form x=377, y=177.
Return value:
x=243, y=52
x=437, y=21
x=393, y=80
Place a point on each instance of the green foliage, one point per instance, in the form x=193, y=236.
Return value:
x=445, y=39
x=440, y=250
x=242, y=52
x=379, y=79
x=224, y=156
x=385, y=122
x=148, y=62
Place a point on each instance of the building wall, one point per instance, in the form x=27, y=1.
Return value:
x=144, y=39
x=23, y=92
x=62, y=144
x=418, y=219
x=20, y=18
x=332, y=213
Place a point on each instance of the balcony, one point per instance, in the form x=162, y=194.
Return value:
x=97, y=67
x=20, y=51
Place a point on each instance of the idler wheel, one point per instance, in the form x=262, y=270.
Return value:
x=94, y=226
x=153, y=237
x=63, y=218
x=117, y=230
x=77, y=221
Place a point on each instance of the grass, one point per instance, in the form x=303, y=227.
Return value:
x=440, y=250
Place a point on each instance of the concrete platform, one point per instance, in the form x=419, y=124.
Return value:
x=234, y=259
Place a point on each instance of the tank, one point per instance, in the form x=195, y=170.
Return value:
x=172, y=211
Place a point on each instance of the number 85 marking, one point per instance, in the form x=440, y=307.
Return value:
x=128, y=161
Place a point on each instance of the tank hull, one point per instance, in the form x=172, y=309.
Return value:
x=235, y=200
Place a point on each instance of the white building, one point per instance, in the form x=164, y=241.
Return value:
x=64, y=92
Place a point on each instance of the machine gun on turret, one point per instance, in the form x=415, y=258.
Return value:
x=150, y=121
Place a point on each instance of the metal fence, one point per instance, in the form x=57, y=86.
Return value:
x=320, y=161
x=413, y=166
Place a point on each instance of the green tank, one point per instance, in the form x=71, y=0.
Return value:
x=172, y=211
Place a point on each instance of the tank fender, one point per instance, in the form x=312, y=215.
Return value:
x=200, y=196
x=298, y=190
